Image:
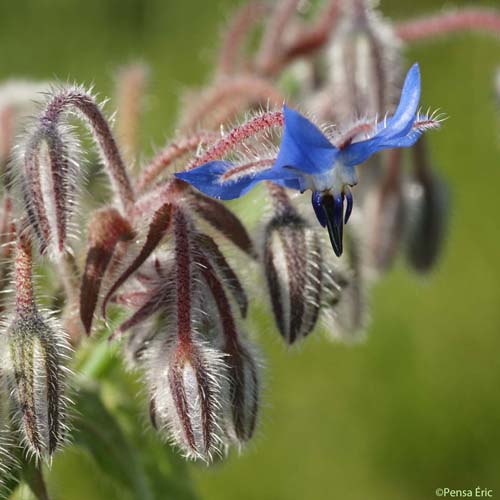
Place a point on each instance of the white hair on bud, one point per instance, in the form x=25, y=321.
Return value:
x=36, y=349
x=34, y=142
x=204, y=409
x=241, y=415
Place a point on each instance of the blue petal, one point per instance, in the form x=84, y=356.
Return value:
x=401, y=122
x=397, y=131
x=285, y=176
x=206, y=179
x=303, y=146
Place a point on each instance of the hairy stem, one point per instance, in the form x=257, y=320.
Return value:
x=103, y=136
x=469, y=19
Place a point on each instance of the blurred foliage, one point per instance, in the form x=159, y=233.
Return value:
x=414, y=408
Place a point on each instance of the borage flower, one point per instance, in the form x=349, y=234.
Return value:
x=307, y=159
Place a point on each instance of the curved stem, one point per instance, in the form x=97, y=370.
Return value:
x=103, y=137
x=252, y=127
x=471, y=19
x=240, y=25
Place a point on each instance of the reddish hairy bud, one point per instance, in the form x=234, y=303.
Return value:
x=107, y=227
x=293, y=268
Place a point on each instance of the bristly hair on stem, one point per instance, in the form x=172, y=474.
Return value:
x=50, y=165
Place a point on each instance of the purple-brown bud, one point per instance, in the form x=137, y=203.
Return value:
x=293, y=268
x=244, y=389
x=106, y=229
x=186, y=398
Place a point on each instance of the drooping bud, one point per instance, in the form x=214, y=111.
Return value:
x=186, y=397
x=49, y=184
x=293, y=268
x=185, y=374
x=35, y=356
x=50, y=166
x=157, y=229
x=385, y=215
x=427, y=199
x=244, y=391
x=107, y=227
x=243, y=384
x=363, y=62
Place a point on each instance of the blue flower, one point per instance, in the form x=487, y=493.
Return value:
x=308, y=160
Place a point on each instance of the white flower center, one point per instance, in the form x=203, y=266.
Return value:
x=333, y=180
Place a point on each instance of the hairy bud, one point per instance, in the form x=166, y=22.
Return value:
x=363, y=65
x=427, y=198
x=385, y=214
x=244, y=388
x=48, y=184
x=35, y=353
x=186, y=397
x=243, y=384
x=293, y=268
x=106, y=229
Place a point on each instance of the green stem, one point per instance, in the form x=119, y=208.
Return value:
x=33, y=475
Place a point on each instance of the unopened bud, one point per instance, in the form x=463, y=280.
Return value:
x=427, y=222
x=293, y=267
x=106, y=229
x=363, y=62
x=186, y=398
x=36, y=355
x=385, y=216
x=244, y=388
x=48, y=184
x=427, y=198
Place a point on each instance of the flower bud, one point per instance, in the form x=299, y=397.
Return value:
x=36, y=352
x=427, y=221
x=385, y=216
x=242, y=385
x=427, y=199
x=244, y=388
x=106, y=229
x=293, y=268
x=186, y=396
x=363, y=62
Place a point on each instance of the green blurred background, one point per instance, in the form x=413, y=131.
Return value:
x=415, y=407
